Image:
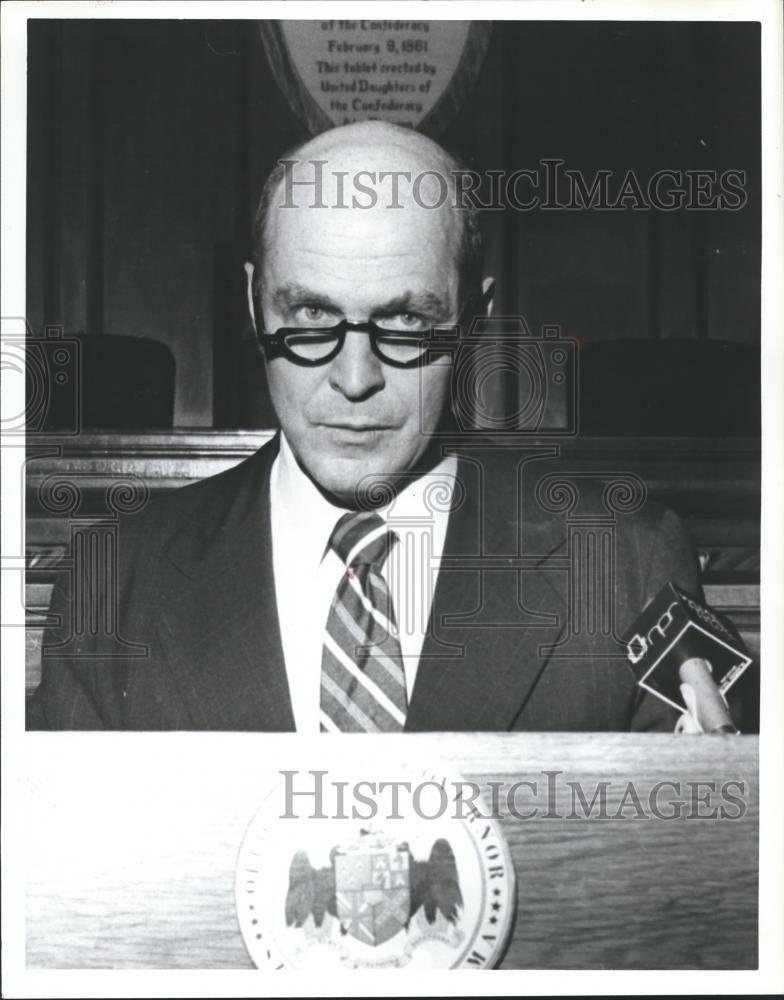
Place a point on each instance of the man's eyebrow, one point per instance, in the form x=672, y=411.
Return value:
x=427, y=303
x=287, y=296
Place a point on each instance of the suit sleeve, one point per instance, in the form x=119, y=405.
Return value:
x=65, y=697
x=85, y=653
x=670, y=557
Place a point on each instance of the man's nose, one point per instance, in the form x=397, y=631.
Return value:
x=356, y=372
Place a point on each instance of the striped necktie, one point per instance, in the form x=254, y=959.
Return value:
x=363, y=688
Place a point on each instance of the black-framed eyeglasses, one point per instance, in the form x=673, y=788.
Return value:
x=312, y=346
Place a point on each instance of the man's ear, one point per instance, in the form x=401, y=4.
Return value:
x=250, y=271
x=488, y=294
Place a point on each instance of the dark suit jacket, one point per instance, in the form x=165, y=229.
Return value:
x=511, y=646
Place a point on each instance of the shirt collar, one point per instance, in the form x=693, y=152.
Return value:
x=314, y=517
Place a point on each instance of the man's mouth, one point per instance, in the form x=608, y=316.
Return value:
x=356, y=425
x=356, y=433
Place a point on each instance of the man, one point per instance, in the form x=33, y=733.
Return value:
x=356, y=574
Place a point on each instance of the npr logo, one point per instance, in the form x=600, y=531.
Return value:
x=637, y=647
x=675, y=627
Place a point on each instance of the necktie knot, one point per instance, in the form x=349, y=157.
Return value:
x=362, y=538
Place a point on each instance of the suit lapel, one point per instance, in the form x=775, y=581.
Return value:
x=221, y=631
x=480, y=661
x=482, y=657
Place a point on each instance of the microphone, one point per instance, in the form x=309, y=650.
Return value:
x=706, y=705
x=681, y=651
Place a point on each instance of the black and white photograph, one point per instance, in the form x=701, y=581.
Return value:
x=392, y=453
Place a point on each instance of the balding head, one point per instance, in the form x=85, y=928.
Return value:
x=361, y=139
x=368, y=167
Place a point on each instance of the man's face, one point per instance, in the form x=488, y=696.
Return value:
x=356, y=416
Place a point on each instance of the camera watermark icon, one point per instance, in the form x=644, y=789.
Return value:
x=506, y=380
x=44, y=372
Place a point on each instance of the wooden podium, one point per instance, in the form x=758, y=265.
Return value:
x=132, y=843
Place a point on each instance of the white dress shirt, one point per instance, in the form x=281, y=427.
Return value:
x=307, y=573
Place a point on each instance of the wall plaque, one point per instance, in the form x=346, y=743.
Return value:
x=413, y=73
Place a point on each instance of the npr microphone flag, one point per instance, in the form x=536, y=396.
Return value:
x=673, y=628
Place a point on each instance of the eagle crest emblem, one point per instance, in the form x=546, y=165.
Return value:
x=373, y=887
x=425, y=892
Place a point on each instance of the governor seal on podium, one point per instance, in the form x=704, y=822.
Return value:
x=340, y=873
